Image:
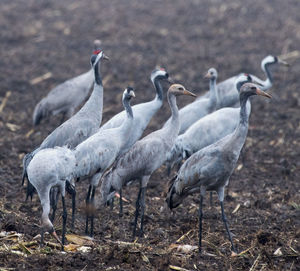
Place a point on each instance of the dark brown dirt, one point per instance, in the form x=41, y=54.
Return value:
x=185, y=37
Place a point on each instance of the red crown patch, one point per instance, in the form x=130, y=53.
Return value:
x=96, y=52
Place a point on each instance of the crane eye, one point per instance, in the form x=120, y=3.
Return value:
x=253, y=88
x=180, y=88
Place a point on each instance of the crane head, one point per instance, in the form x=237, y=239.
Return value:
x=211, y=74
x=250, y=89
x=160, y=74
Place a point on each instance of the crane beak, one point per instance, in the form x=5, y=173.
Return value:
x=262, y=93
x=56, y=237
x=283, y=62
x=186, y=92
x=105, y=57
x=207, y=75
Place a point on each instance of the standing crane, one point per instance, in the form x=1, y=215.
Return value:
x=210, y=168
x=144, y=157
x=97, y=153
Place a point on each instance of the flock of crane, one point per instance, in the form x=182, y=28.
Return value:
x=208, y=134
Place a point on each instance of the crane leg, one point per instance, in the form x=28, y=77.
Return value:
x=73, y=208
x=121, y=204
x=87, y=201
x=53, y=203
x=64, y=221
x=142, y=204
x=92, y=211
x=137, y=208
x=200, y=223
x=211, y=199
x=226, y=226
x=71, y=190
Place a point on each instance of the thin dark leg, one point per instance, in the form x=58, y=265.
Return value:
x=200, y=223
x=64, y=221
x=111, y=203
x=121, y=204
x=87, y=201
x=137, y=208
x=226, y=225
x=53, y=203
x=73, y=207
x=211, y=198
x=92, y=211
x=142, y=204
x=42, y=237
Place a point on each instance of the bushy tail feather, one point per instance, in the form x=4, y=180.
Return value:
x=171, y=191
x=39, y=113
x=26, y=160
x=30, y=190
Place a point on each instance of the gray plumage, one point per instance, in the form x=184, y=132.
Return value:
x=64, y=98
x=192, y=112
x=96, y=154
x=210, y=168
x=145, y=156
x=142, y=112
x=51, y=168
x=83, y=124
x=229, y=96
x=207, y=130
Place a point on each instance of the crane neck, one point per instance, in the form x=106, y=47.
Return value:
x=98, y=79
x=126, y=105
x=240, y=133
x=213, y=94
x=174, y=122
x=158, y=88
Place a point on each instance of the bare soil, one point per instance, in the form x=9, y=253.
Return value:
x=187, y=38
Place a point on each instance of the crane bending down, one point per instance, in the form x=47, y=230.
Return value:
x=65, y=97
x=197, y=110
x=210, y=168
x=96, y=154
x=79, y=127
x=145, y=156
x=142, y=112
x=51, y=168
x=227, y=94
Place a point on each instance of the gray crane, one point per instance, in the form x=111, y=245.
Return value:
x=51, y=168
x=227, y=93
x=66, y=97
x=197, y=110
x=142, y=112
x=207, y=130
x=79, y=127
x=97, y=153
x=210, y=168
x=144, y=157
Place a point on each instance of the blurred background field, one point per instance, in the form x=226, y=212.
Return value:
x=44, y=43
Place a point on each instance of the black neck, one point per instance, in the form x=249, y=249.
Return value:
x=269, y=75
x=98, y=79
x=158, y=87
x=126, y=104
